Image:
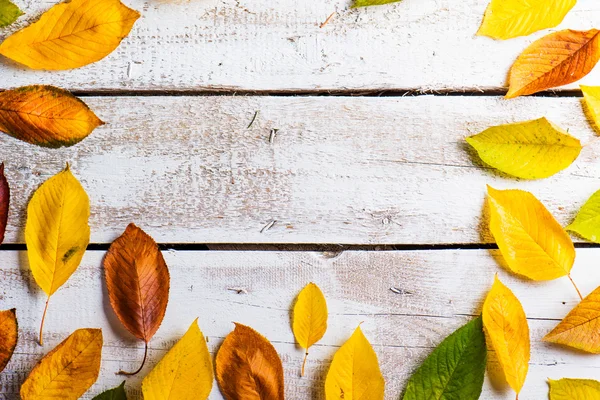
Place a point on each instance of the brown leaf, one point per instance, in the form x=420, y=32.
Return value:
x=557, y=59
x=8, y=336
x=4, y=202
x=137, y=279
x=248, y=367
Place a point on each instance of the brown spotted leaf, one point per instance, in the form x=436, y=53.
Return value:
x=8, y=336
x=4, y=202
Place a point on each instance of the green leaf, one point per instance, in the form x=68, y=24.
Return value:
x=117, y=393
x=366, y=3
x=8, y=13
x=530, y=150
x=587, y=221
x=454, y=370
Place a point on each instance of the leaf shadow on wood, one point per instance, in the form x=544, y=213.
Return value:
x=24, y=268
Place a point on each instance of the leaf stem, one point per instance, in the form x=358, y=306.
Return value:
x=575, y=286
x=41, y=341
x=141, y=366
x=304, y=363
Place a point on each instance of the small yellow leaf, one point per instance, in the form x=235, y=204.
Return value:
x=71, y=34
x=310, y=317
x=506, y=326
x=68, y=371
x=574, y=389
x=354, y=372
x=532, y=242
x=506, y=19
x=591, y=97
x=184, y=373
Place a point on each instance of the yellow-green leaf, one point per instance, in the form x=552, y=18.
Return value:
x=366, y=3
x=505, y=19
x=591, y=98
x=71, y=34
x=532, y=242
x=9, y=13
x=506, y=326
x=574, y=389
x=587, y=221
x=68, y=371
x=354, y=372
x=310, y=318
x=184, y=373
x=531, y=150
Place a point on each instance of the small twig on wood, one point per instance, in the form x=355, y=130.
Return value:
x=328, y=19
x=399, y=291
x=238, y=290
x=273, y=134
x=268, y=226
x=253, y=119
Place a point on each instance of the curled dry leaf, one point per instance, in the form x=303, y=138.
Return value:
x=46, y=116
x=574, y=389
x=248, y=367
x=71, y=35
x=8, y=336
x=117, y=393
x=4, y=202
x=184, y=373
x=138, y=282
x=354, y=372
x=587, y=221
x=9, y=13
x=591, y=98
x=508, y=332
x=69, y=370
x=310, y=318
x=557, y=59
x=530, y=150
x=57, y=232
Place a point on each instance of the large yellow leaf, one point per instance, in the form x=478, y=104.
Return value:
x=506, y=19
x=591, y=96
x=68, y=371
x=531, y=150
x=57, y=231
x=506, y=326
x=71, y=34
x=184, y=373
x=581, y=327
x=574, y=389
x=310, y=318
x=532, y=242
x=354, y=373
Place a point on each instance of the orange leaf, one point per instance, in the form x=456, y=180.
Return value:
x=4, y=202
x=248, y=367
x=557, y=59
x=8, y=336
x=137, y=279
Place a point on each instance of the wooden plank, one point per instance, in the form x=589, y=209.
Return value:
x=339, y=170
x=441, y=290
x=278, y=45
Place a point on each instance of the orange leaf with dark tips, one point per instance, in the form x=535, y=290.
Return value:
x=137, y=279
x=8, y=336
x=4, y=202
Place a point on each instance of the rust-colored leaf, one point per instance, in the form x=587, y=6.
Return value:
x=8, y=336
x=137, y=279
x=4, y=202
x=557, y=59
x=248, y=367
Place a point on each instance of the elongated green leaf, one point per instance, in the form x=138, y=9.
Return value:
x=587, y=221
x=117, y=393
x=531, y=150
x=366, y=3
x=9, y=13
x=454, y=370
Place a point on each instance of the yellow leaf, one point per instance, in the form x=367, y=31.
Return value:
x=354, y=372
x=71, y=35
x=310, y=318
x=574, y=389
x=184, y=373
x=8, y=336
x=57, y=231
x=506, y=19
x=580, y=329
x=68, y=371
x=591, y=96
x=506, y=326
x=530, y=150
x=532, y=242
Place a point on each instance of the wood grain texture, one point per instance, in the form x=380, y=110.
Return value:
x=278, y=45
x=438, y=291
x=339, y=170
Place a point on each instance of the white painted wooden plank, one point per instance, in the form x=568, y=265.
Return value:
x=442, y=290
x=340, y=170
x=278, y=45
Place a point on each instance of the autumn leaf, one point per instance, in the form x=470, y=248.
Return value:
x=506, y=19
x=117, y=393
x=8, y=336
x=57, y=232
x=248, y=367
x=184, y=373
x=591, y=98
x=366, y=3
x=454, y=370
x=508, y=333
x=557, y=59
x=530, y=150
x=138, y=283
x=46, y=116
x=310, y=318
x=354, y=372
x=532, y=242
x=574, y=389
x=587, y=221
x=69, y=370
x=71, y=34
x=4, y=202
x=9, y=13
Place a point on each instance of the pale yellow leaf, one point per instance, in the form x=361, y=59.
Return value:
x=591, y=97
x=574, y=389
x=310, y=317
